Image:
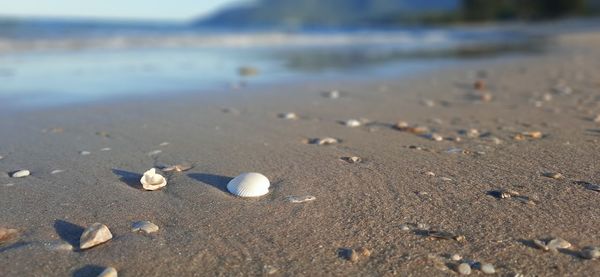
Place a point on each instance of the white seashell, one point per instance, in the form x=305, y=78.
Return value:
x=249, y=185
x=108, y=272
x=144, y=226
x=21, y=173
x=153, y=181
x=93, y=235
x=324, y=141
x=301, y=199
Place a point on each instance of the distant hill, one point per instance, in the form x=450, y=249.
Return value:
x=325, y=13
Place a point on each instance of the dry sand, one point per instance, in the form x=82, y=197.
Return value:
x=204, y=230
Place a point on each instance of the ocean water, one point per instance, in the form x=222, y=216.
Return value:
x=48, y=63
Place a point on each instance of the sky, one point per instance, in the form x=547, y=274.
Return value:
x=172, y=10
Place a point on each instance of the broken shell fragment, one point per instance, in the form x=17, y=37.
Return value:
x=444, y=235
x=21, y=173
x=7, y=234
x=177, y=168
x=553, y=175
x=249, y=185
x=558, y=243
x=363, y=251
x=153, y=181
x=144, y=226
x=93, y=235
x=301, y=199
x=434, y=137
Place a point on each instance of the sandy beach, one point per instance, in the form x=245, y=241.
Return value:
x=86, y=162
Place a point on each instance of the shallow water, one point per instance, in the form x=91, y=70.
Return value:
x=42, y=71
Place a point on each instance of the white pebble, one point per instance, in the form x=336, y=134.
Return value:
x=352, y=123
x=456, y=257
x=289, y=116
x=590, y=252
x=109, y=272
x=84, y=153
x=488, y=268
x=21, y=173
x=93, y=235
x=464, y=269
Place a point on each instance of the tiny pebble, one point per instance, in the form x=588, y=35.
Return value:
x=164, y=143
x=154, y=152
x=7, y=234
x=105, y=149
x=109, y=272
x=435, y=137
x=429, y=173
x=352, y=159
x=21, y=173
x=93, y=235
x=553, y=175
x=464, y=269
x=590, y=252
x=84, y=153
x=290, y=116
x=352, y=123
x=404, y=227
x=456, y=257
x=488, y=268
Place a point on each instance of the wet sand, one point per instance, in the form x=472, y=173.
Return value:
x=204, y=230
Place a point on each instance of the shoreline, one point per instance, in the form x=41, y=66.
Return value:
x=204, y=229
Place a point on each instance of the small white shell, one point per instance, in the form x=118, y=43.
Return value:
x=249, y=185
x=153, y=181
x=352, y=123
x=290, y=116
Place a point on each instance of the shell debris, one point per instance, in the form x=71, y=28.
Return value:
x=154, y=152
x=552, y=244
x=352, y=123
x=434, y=234
x=553, y=175
x=144, y=226
x=7, y=234
x=93, y=235
x=352, y=159
x=108, y=272
x=463, y=269
x=332, y=94
x=590, y=252
x=324, y=141
x=152, y=181
x=288, y=116
x=177, y=168
x=300, y=199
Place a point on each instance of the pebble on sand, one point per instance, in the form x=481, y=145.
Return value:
x=488, y=268
x=84, y=153
x=93, y=235
x=152, y=181
x=456, y=257
x=464, y=269
x=553, y=175
x=352, y=159
x=434, y=137
x=352, y=123
x=21, y=173
x=324, y=141
x=590, y=252
x=109, y=272
x=7, y=234
x=289, y=116
x=144, y=226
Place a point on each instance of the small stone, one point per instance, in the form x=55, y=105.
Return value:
x=404, y=227
x=472, y=133
x=401, y=125
x=154, y=152
x=21, y=173
x=464, y=269
x=456, y=257
x=84, y=153
x=332, y=94
x=59, y=245
x=352, y=123
x=324, y=141
x=590, y=252
x=301, y=199
x=109, y=272
x=93, y=235
x=488, y=268
x=349, y=254
x=352, y=159
x=289, y=116
x=363, y=251
x=7, y=234
x=429, y=173
x=105, y=149
x=422, y=226
x=597, y=118
x=164, y=143
x=146, y=227
x=553, y=175
x=435, y=137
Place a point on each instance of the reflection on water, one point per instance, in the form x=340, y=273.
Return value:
x=54, y=73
